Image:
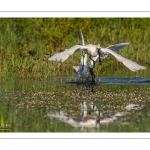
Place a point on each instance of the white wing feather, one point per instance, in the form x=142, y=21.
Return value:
x=62, y=56
x=115, y=48
x=133, y=66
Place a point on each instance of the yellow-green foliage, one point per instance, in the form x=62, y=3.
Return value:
x=26, y=43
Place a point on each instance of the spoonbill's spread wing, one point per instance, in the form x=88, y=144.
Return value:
x=116, y=47
x=133, y=66
x=62, y=56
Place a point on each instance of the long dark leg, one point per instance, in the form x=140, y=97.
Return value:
x=91, y=71
x=92, y=74
x=100, y=54
x=100, y=61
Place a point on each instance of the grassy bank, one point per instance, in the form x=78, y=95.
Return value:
x=26, y=43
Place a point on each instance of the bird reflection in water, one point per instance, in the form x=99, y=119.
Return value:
x=90, y=117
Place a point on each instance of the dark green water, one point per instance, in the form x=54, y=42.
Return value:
x=121, y=103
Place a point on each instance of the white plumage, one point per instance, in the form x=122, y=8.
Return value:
x=133, y=66
x=92, y=50
x=95, y=51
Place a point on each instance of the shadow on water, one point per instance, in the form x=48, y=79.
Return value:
x=61, y=105
x=102, y=80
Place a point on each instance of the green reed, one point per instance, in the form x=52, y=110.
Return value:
x=26, y=43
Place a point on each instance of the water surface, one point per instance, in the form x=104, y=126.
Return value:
x=58, y=104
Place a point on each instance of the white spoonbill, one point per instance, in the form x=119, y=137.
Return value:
x=90, y=49
x=94, y=50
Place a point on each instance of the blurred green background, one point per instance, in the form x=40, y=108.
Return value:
x=26, y=43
